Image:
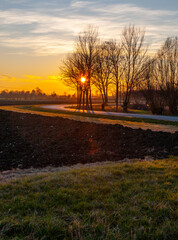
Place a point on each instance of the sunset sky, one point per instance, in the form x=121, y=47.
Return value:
x=35, y=35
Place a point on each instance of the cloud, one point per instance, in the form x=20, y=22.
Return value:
x=33, y=77
x=7, y=78
x=29, y=79
x=54, y=78
x=133, y=9
x=52, y=31
x=81, y=4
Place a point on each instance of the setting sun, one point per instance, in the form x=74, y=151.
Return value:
x=83, y=79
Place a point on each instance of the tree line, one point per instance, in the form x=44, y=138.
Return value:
x=36, y=93
x=123, y=65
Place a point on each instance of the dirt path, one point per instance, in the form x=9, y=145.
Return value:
x=133, y=125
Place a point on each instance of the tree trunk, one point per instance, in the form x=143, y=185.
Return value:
x=106, y=96
x=80, y=99
x=77, y=96
x=117, y=96
x=83, y=100
x=91, y=108
x=87, y=102
x=173, y=104
x=125, y=106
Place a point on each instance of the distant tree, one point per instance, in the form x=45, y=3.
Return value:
x=53, y=94
x=4, y=93
x=38, y=91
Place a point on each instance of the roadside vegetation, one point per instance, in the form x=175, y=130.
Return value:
x=111, y=201
x=130, y=119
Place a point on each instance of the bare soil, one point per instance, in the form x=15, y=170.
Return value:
x=28, y=140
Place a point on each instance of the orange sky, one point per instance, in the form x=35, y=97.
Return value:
x=27, y=73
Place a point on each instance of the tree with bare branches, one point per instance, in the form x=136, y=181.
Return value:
x=115, y=56
x=87, y=50
x=166, y=72
x=133, y=60
x=102, y=72
x=81, y=63
x=150, y=89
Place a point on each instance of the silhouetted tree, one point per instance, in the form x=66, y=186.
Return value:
x=115, y=56
x=133, y=60
x=81, y=63
x=102, y=72
x=166, y=72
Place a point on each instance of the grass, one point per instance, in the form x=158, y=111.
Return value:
x=113, y=109
x=130, y=119
x=110, y=108
x=111, y=201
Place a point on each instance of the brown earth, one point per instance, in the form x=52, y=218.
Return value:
x=28, y=140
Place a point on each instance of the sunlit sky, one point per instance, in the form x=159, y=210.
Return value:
x=35, y=35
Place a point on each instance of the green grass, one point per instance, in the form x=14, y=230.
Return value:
x=150, y=113
x=112, y=201
x=130, y=119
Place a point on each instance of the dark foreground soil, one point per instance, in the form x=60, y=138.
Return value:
x=33, y=140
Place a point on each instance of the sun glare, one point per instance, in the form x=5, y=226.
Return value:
x=83, y=79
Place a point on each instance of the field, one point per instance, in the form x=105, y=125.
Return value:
x=30, y=140
x=113, y=201
x=118, y=199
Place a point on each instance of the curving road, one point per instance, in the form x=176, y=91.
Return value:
x=157, y=117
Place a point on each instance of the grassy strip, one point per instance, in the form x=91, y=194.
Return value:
x=112, y=201
x=130, y=119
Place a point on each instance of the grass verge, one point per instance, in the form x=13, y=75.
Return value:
x=130, y=119
x=112, y=201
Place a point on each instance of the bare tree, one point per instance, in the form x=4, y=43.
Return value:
x=115, y=55
x=166, y=72
x=134, y=58
x=150, y=89
x=81, y=64
x=102, y=72
x=125, y=63
x=68, y=72
x=87, y=50
x=71, y=71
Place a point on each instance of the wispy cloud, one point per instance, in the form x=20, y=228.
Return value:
x=133, y=9
x=7, y=78
x=33, y=77
x=81, y=4
x=51, y=31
